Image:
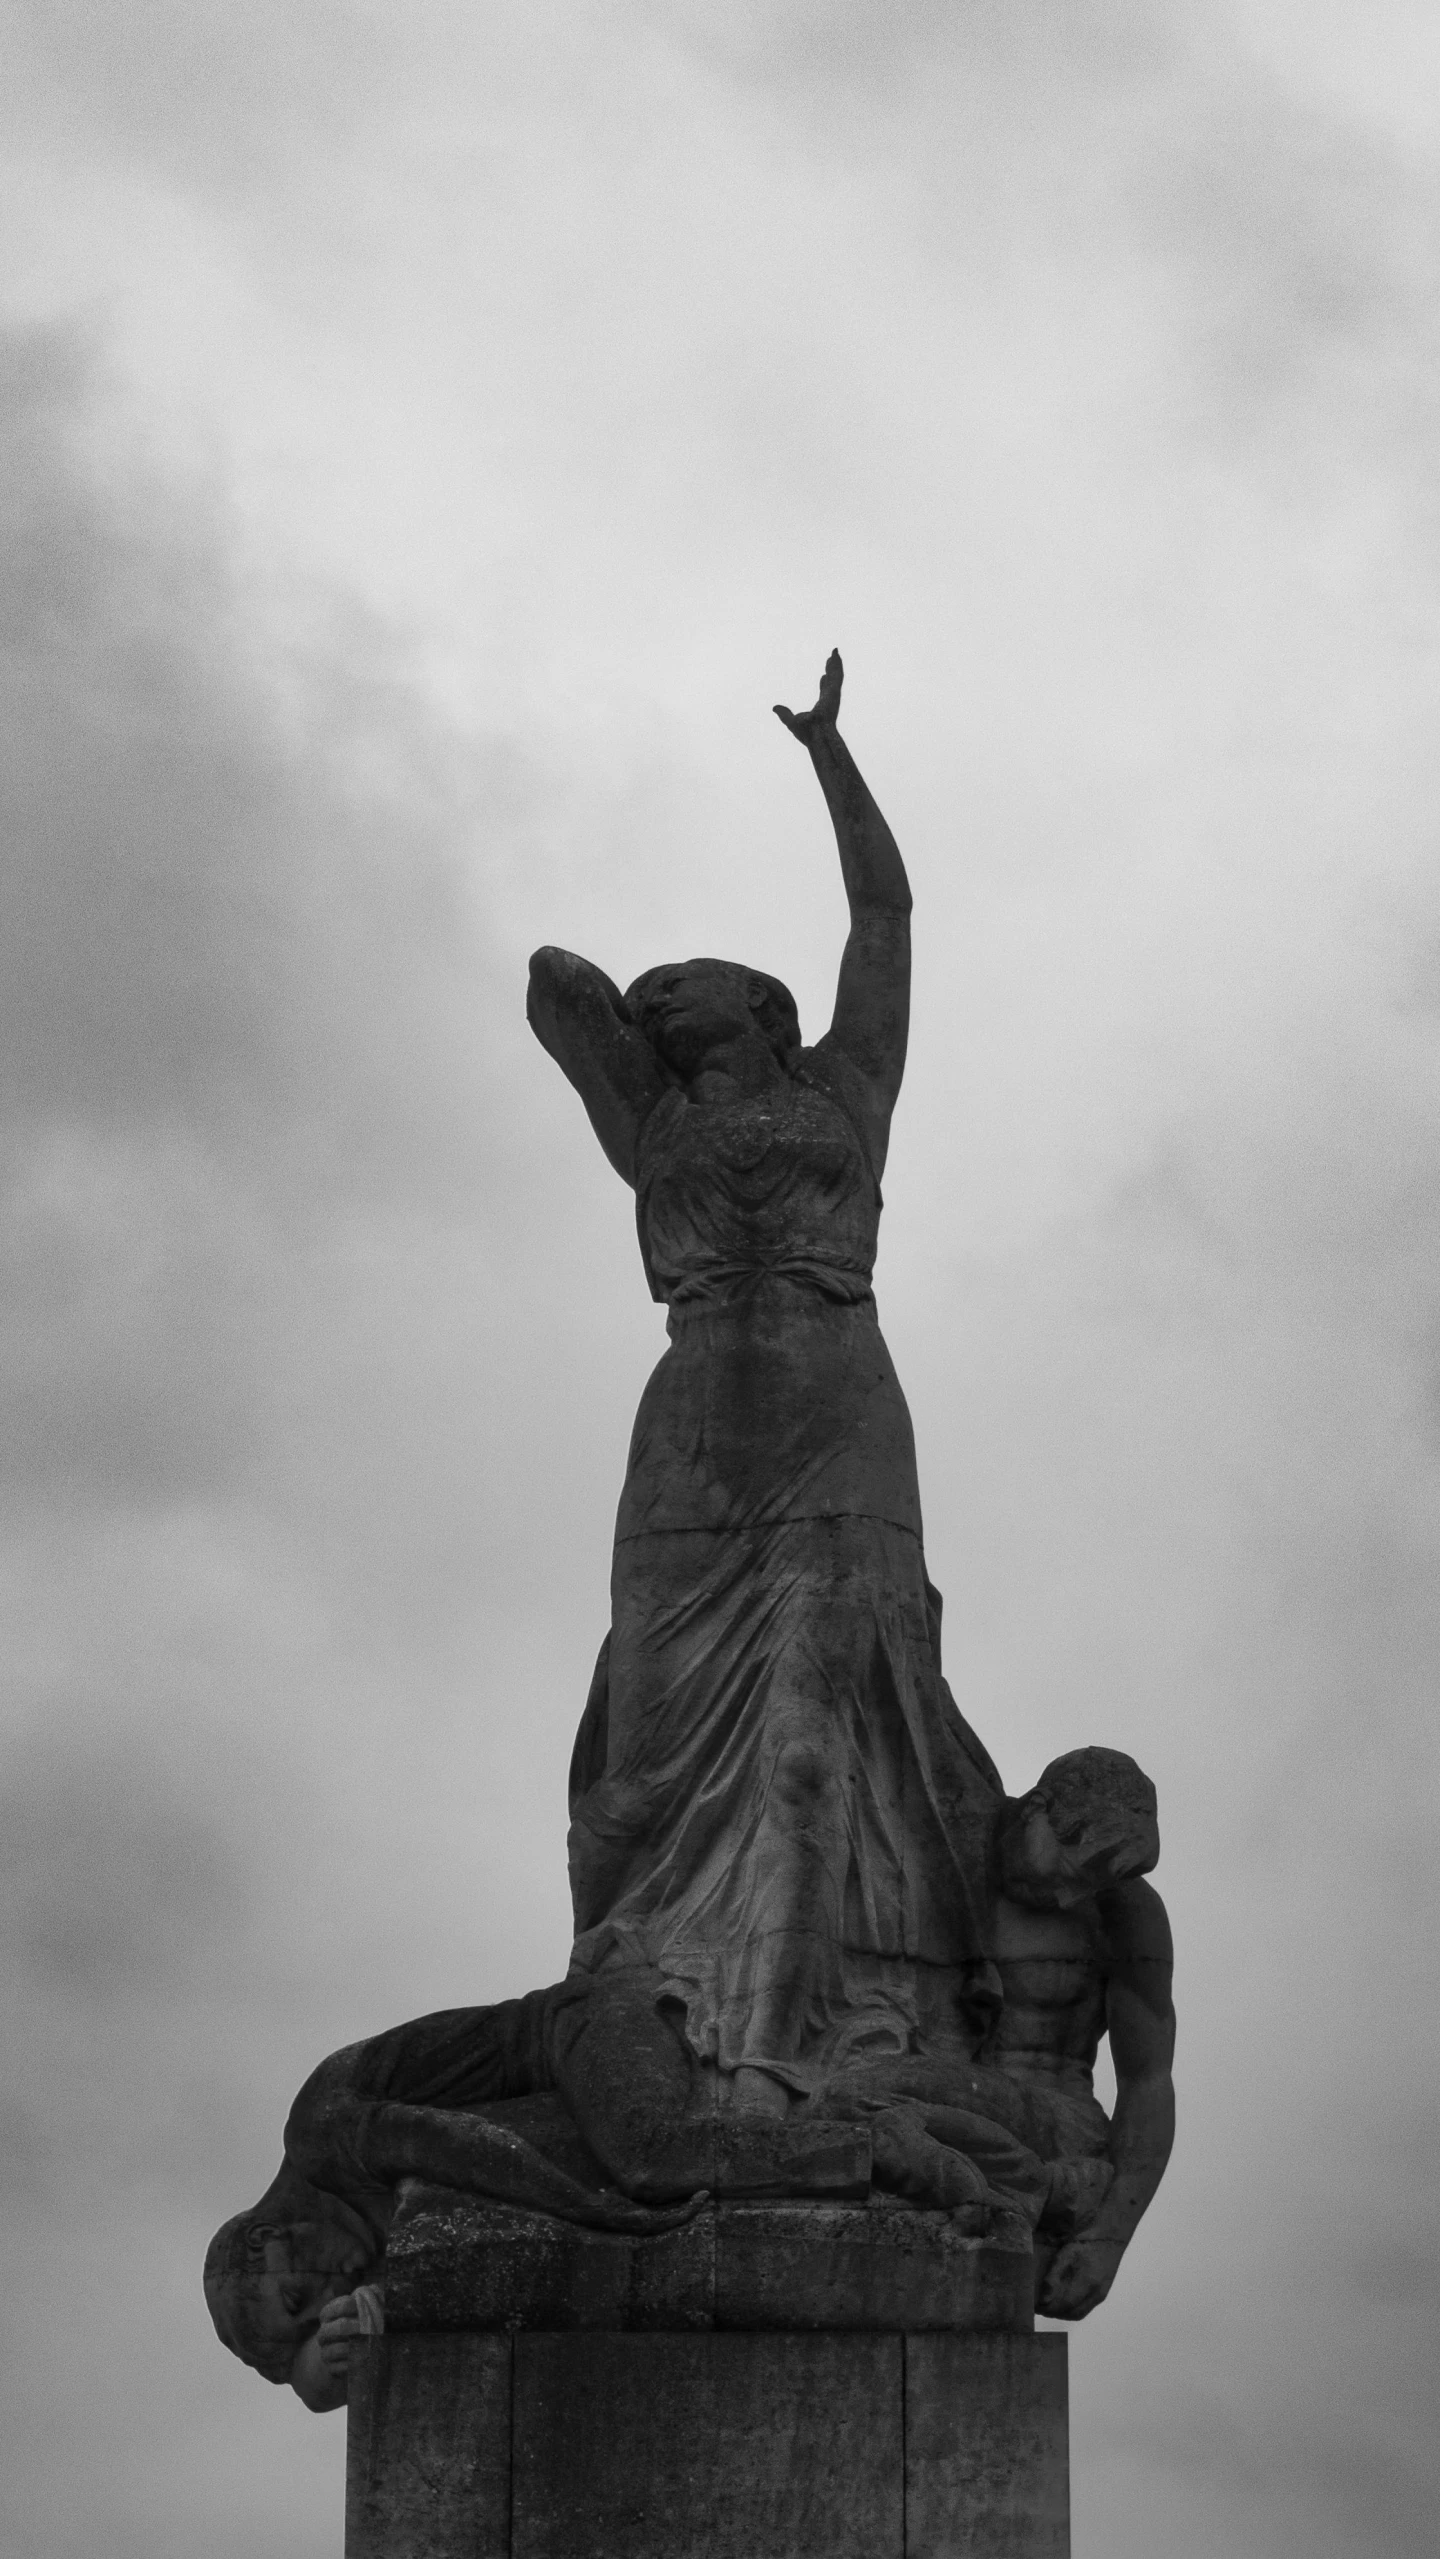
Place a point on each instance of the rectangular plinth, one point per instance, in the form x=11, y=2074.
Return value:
x=799, y=2265
x=711, y=2445
x=726, y=2446
x=455, y=2261
x=987, y=2448
x=428, y=2452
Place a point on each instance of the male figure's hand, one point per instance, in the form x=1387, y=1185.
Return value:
x=1078, y=2278
x=910, y=2161
x=340, y=2320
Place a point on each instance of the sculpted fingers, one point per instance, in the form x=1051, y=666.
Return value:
x=911, y=2162
x=826, y=710
x=1078, y=2280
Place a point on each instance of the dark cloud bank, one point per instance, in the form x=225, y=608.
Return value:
x=259, y=1453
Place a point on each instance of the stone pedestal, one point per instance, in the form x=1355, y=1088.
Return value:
x=771, y=2382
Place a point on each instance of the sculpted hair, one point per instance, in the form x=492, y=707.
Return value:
x=1101, y=1789
x=232, y=2282
x=778, y=1016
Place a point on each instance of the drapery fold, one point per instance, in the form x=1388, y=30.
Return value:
x=778, y=1812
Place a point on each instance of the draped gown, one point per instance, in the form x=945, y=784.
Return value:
x=778, y=1813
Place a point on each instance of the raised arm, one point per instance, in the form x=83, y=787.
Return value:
x=577, y=1014
x=872, y=1002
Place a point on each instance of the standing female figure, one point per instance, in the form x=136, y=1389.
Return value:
x=779, y=1818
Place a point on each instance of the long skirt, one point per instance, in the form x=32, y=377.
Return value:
x=780, y=1814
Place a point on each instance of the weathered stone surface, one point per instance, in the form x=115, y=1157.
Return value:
x=987, y=2472
x=455, y=2261
x=775, y=1802
x=428, y=2450
x=786, y=2265
x=735, y=2446
x=714, y=2447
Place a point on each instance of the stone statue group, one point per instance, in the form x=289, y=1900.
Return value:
x=819, y=1951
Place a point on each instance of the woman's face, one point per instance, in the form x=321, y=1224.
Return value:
x=694, y=1008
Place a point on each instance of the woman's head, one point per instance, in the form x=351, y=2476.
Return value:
x=689, y=1008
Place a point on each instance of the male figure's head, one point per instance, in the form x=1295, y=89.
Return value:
x=1086, y=1826
x=269, y=2273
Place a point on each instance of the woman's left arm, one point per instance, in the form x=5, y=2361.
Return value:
x=579, y=1016
x=872, y=1001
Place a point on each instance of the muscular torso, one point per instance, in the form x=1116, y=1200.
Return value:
x=1054, y=1965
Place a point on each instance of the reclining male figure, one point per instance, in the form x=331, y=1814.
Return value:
x=637, y=2145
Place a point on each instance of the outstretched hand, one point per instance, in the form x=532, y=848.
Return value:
x=802, y=724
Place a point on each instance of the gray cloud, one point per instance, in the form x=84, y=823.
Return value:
x=244, y=992
x=110, y=1885
x=245, y=1029
x=226, y=908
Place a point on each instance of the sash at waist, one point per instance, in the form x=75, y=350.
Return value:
x=739, y=1282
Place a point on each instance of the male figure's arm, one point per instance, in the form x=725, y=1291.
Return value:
x=1141, y=2022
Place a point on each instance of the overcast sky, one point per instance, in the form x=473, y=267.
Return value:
x=433, y=437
